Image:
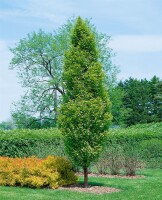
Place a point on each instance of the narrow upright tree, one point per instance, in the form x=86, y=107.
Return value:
x=84, y=116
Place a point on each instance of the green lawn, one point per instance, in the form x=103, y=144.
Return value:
x=148, y=188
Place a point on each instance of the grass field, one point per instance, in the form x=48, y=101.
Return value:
x=148, y=188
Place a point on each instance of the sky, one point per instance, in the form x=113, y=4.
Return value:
x=134, y=26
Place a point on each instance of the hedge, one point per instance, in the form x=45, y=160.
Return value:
x=141, y=141
x=41, y=143
x=26, y=142
x=51, y=133
x=136, y=133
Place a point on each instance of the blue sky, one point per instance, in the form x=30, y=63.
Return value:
x=134, y=25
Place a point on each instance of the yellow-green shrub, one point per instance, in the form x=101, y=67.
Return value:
x=64, y=168
x=32, y=172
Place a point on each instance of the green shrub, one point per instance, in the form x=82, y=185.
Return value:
x=118, y=158
x=115, y=158
x=132, y=148
x=131, y=158
x=102, y=164
x=138, y=144
x=111, y=160
x=151, y=151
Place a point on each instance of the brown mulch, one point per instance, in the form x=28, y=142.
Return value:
x=90, y=189
x=111, y=176
x=97, y=189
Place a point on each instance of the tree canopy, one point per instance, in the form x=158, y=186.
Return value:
x=38, y=59
x=84, y=116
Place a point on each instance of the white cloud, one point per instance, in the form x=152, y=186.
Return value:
x=53, y=11
x=136, y=43
x=12, y=13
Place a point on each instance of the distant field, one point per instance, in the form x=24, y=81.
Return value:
x=148, y=188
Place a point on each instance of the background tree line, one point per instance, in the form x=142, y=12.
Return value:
x=136, y=101
x=141, y=101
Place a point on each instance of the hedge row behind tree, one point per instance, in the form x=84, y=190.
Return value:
x=41, y=143
x=26, y=142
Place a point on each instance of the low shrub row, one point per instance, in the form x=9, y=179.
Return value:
x=31, y=147
x=136, y=133
x=118, y=159
x=41, y=134
x=137, y=144
x=32, y=172
x=26, y=142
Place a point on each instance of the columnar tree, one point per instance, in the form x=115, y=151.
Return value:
x=84, y=116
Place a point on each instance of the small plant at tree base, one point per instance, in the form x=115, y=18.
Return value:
x=84, y=116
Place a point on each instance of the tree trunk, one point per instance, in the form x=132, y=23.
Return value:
x=85, y=177
x=55, y=104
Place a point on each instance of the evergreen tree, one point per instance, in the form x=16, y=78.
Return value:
x=156, y=99
x=142, y=100
x=84, y=116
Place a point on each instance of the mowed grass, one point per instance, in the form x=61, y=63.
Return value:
x=148, y=188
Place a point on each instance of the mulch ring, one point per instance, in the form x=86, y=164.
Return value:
x=97, y=189
x=90, y=189
x=111, y=176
